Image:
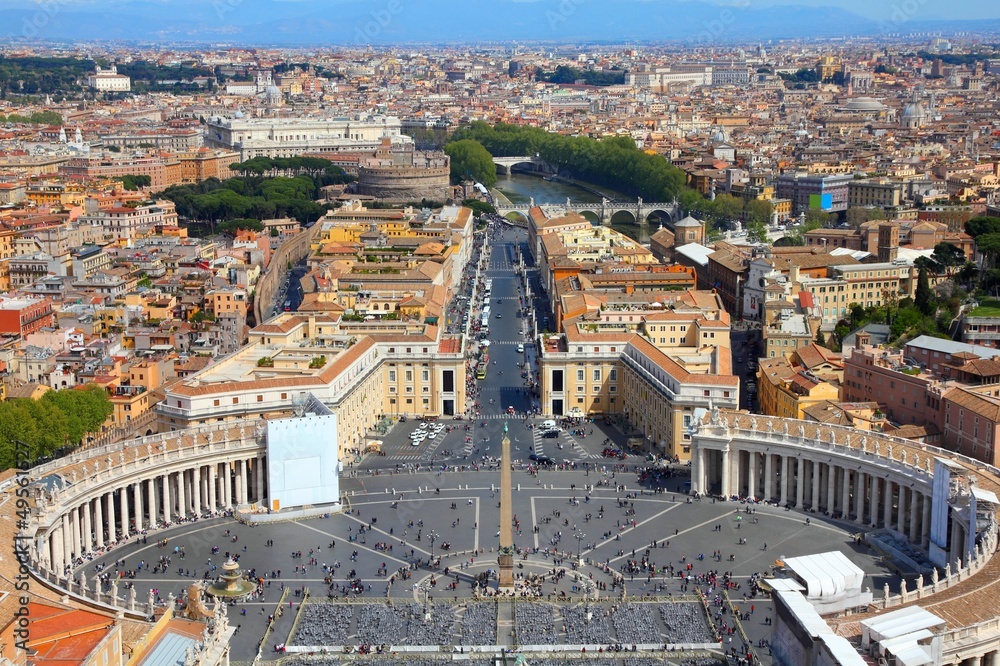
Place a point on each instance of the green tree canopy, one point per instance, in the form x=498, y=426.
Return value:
x=470, y=159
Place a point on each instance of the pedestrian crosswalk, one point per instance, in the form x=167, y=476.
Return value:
x=563, y=447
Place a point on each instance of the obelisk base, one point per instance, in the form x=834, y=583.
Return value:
x=506, y=579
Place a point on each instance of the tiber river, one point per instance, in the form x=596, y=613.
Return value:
x=521, y=187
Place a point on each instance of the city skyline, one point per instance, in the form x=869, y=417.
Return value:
x=356, y=22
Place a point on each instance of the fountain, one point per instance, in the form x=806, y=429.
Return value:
x=230, y=584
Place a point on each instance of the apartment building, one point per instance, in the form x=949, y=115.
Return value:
x=789, y=386
x=825, y=192
x=361, y=378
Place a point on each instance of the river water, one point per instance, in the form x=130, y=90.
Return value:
x=521, y=187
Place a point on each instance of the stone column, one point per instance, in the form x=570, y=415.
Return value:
x=59, y=546
x=112, y=536
x=74, y=528
x=831, y=488
x=874, y=504
x=140, y=515
x=181, y=494
x=99, y=522
x=887, y=506
x=925, y=524
x=726, y=490
x=800, y=483
x=786, y=471
x=901, y=510
x=227, y=484
x=258, y=484
x=240, y=484
x=167, y=502
x=752, y=475
x=845, y=493
x=860, y=497
x=816, y=482
x=151, y=502
x=697, y=484
x=768, y=476
x=67, y=540
x=196, y=491
x=213, y=486
x=914, y=535
x=123, y=494
x=88, y=529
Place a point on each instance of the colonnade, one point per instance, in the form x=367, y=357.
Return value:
x=843, y=489
x=131, y=506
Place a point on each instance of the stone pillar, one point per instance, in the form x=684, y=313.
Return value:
x=182, y=494
x=800, y=483
x=768, y=476
x=140, y=515
x=752, y=475
x=167, y=502
x=726, y=462
x=887, y=506
x=991, y=658
x=58, y=547
x=74, y=530
x=213, y=486
x=901, y=510
x=123, y=495
x=914, y=534
x=875, y=506
x=151, y=502
x=258, y=484
x=697, y=466
x=227, y=485
x=112, y=535
x=99, y=522
x=816, y=483
x=786, y=471
x=196, y=491
x=831, y=488
x=240, y=484
x=88, y=528
x=925, y=524
x=845, y=493
x=67, y=541
x=860, y=497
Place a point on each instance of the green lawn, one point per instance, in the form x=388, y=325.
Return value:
x=986, y=308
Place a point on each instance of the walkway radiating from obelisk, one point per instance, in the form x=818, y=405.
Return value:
x=506, y=559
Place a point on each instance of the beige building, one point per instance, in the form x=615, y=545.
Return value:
x=361, y=374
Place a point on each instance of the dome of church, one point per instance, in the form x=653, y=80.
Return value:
x=719, y=136
x=864, y=104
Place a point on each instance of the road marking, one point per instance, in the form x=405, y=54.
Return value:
x=355, y=544
x=638, y=525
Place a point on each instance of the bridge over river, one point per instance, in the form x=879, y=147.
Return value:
x=638, y=210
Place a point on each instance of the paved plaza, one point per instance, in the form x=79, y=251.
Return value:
x=398, y=522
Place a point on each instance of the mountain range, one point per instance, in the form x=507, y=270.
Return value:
x=379, y=22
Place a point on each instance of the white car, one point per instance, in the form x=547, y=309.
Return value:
x=520, y=348
x=417, y=442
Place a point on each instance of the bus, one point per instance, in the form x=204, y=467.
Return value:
x=481, y=371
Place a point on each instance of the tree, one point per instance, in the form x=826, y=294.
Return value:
x=989, y=246
x=924, y=296
x=726, y=207
x=756, y=233
x=469, y=159
x=947, y=256
x=758, y=211
x=791, y=240
x=479, y=207
x=979, y=226
x=820, y=339
x=815, y=219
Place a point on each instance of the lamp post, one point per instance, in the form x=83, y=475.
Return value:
x=433, y=536
x=580, y=536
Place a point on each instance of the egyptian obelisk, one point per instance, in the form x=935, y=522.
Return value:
x=506, y=560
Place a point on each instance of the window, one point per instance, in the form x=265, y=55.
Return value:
x=579, y=375
x=425, y=375
x=597, y=375
x=409, y=375
x=579, y=389
x=260, y=398
x=557, y=380
x=284, y=396
x=392, y=375
x=216, y=403
x=707, y=393
x=236, y=401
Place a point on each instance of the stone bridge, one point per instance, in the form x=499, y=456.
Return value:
x=505, y=164
x=604, y=211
